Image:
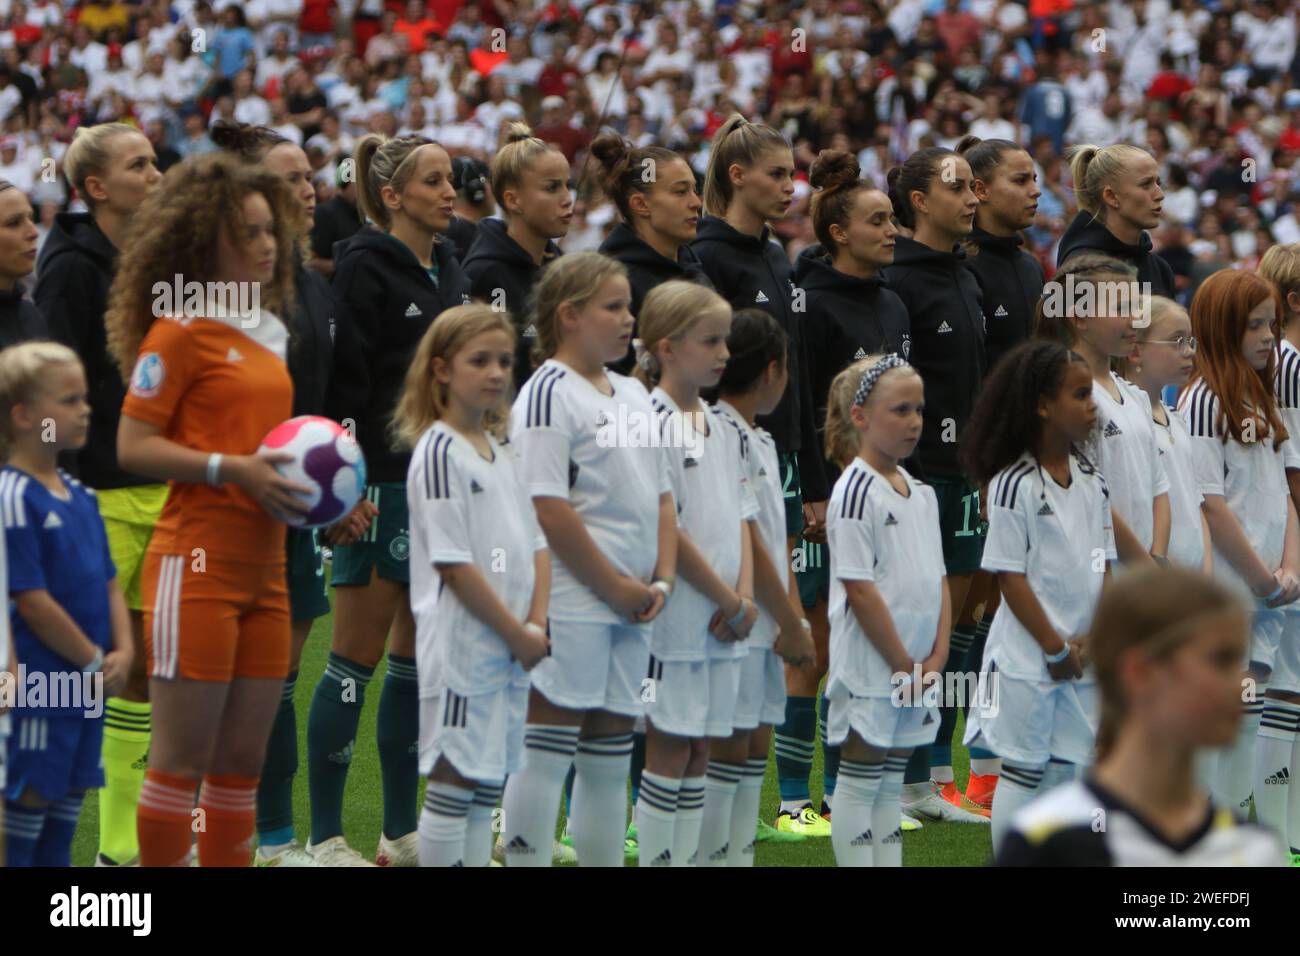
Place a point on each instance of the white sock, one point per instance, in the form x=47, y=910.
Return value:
x=720, y=784
x=478, y=835
x=794, y=806
x=690, y=817
x=1018, y=785
x=1058, y=773
x=886, y=816
x=744, y=813
x=942, y=775
x=857, y=784
x=985, y=765
x=1273, y=770
x=532, y=798
x=1237, y=763
x=598, y=819
x=443, y=823
x=913, y=792
x=656, y=816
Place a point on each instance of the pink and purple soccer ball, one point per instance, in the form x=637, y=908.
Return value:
x=327, y=459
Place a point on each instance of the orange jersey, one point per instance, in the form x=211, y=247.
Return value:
x=214, y=386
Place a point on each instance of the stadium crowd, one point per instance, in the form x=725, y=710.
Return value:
x=1212, y=90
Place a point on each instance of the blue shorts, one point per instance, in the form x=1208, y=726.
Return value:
x=54, y=755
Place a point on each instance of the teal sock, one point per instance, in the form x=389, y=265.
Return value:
x=918, y=766
x=398, y=727
x=975, y=653
x=959, y=644
x=830, y=755
x=331, y=735
x=275, y=788
x=794, y=741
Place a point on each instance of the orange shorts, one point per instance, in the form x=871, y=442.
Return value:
x=225, y=621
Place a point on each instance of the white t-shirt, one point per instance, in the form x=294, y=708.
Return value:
x=1251, y=478
x=1186, y=545
x=711, y=488
x=598, y=452
x=876, y=534
x=1125, y=451
x=465, y=509
x=1060, y=539
x=765, y=484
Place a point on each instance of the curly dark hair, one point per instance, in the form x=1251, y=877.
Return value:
x=1005, y=424
x=176, y=232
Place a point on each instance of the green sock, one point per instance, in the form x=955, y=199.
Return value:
x=125, y=755
x=398, y=730
x=331, y=735
x=275, y=788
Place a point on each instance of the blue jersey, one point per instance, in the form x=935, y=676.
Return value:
x=58, y=546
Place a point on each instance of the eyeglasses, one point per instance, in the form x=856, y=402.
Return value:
x=1182, y=343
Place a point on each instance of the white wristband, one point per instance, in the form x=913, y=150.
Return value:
x=214, y=468
x=1059, y=656
x=96, y=663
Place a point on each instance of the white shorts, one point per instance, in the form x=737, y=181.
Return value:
x=1266, y=635
x=595, y=667
x=1030, y=721
x=694, y=698
x=481, y=735
x=761, y=699
x=1286, y=663
x=879, y=721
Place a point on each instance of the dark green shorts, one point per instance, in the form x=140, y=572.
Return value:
x=789, y=465
x=813, y=574
x=960, y=525
x=385, y=547
x=306, y=570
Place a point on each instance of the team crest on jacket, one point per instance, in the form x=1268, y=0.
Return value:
x=907, y=344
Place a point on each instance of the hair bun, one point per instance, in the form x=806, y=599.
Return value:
x=227, y=134
x=610, y=150
x=516, y=132
x=834, y=168
x=968, y=142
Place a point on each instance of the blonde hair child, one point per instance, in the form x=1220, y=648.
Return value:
x=695, y=646
x=602, y=493
x=890, y=608
x=69, y=617
x=480, y=578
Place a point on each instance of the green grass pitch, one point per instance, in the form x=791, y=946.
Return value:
x=947, y=844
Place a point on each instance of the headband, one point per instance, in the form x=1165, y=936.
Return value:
x=872, y=375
